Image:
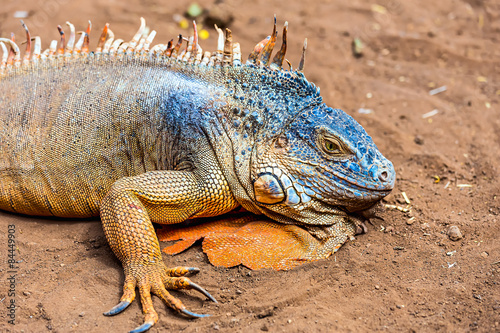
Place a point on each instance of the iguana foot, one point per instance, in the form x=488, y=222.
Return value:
x=156, y=279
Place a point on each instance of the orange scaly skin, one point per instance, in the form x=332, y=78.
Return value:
x=254, y=242
x=164, y=134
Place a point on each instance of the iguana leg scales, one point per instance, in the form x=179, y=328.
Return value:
x=127, y=213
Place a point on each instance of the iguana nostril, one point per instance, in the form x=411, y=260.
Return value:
x=384, y=175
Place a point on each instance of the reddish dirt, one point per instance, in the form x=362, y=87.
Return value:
x=405, y=274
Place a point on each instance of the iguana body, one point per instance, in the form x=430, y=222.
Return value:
x=139, y=136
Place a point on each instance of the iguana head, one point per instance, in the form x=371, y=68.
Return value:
x=322, y=163
x=295, y=159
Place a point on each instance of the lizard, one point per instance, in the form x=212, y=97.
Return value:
x=140, y=134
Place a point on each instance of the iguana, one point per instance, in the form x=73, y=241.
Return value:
x=140, y=134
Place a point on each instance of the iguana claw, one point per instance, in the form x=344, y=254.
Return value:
x=117, y=308
x=143, y=328
x=193, y=270
x=194, y=315
x=148, y=324
x=201, y=290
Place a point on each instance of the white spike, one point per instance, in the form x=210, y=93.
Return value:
x=15, y=48
x=79, y=44
x=149, y=40
x=220, y=46
x=138, y=34
x=220, y=40
x=109, y=41
x=138, y=47
x=236, y=54
x=158, y=48
x=5, y=55
x=71, y=39
x=53, y=47
x=123, y=47
x=116, y=44
x=206, y=58
x=199, y=55
x=189, y=49
x=38, y=48
x=13, y=45
x=211, y=63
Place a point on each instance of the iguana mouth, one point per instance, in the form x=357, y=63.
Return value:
x=384, y=187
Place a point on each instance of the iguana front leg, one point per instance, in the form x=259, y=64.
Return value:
x=162, y=197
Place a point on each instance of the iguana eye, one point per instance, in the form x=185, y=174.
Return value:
x=333, y=147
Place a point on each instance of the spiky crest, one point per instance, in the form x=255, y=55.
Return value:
x=227, y=54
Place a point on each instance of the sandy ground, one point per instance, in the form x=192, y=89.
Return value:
x=405, y=274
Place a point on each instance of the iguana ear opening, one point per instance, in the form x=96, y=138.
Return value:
x=268, y=189
x=281, y=142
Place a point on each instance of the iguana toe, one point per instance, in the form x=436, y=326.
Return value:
x=181, y=271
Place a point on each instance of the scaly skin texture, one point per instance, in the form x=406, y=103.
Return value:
x=142, y=137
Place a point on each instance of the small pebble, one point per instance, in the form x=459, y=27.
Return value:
x=418, y=140
x=389, y=229
x=82, y=314
x=26, y=293
x=194, y=10
x=377, y=287
x=266, y=313
x=216, y=327
x=365, y=111
x=454, y=233
x=357, y=48
x=21, y=14
x=231, y=280
x=484, y=254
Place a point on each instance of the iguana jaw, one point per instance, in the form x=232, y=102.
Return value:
x=318, y=212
